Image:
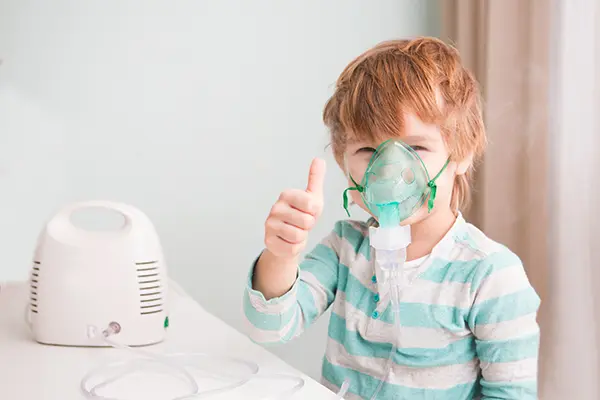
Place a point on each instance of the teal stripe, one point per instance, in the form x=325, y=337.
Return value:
x=505, y=308
x=421, y=315
x=343, y=273
x=364, y=386
x=338, y=228
x=493, y=263
x=323, y=263
x=357, y=240
x=267, y=322
x=283, y=339
x=442, y=270
x=358, y=295
x=499, y=351
x=472, y=271
x=458, y=352
x=361, y=297
x=524, y=390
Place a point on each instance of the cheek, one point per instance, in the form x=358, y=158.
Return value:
x=434, y=163
x=356, y=166
x=357, y=199
x=446, y=180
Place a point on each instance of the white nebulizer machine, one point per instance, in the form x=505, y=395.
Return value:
x=83, y=279
x=110, y=288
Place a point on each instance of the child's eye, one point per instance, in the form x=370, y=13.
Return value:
x=418, y=148
x=365, y=150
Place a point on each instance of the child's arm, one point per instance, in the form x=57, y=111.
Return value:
x=503, y=320
x=280, y=319
x=281, y=298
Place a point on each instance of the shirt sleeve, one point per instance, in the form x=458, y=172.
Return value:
x=504, y=322
x=282, y=319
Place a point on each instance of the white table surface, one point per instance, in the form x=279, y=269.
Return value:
x=32, y=371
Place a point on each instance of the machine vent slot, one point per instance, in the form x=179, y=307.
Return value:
x=33, y=286
x=150, y=284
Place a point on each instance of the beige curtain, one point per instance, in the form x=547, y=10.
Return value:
x=538, y=62
x=506, y=44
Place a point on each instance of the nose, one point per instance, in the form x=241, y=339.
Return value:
x=386, y=190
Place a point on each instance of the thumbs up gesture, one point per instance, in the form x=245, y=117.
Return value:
x=295, y=214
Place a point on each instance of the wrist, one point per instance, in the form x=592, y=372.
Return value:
x=273, y=275
x=270, y=259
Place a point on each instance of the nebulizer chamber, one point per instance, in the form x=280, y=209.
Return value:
x=394, y=186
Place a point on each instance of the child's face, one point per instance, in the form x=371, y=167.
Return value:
x=427, y=141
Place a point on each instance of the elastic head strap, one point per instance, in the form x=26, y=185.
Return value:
x=356, y=187
x=433, y=187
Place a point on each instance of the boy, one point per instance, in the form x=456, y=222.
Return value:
x=468, y=317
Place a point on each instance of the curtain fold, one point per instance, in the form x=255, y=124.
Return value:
x=506, y=45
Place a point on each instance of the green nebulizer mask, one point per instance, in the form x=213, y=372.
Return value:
x=395, y=184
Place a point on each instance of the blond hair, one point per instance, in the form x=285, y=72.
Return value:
x=376, y=88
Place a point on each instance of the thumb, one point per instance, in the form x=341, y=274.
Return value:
x=316, y=177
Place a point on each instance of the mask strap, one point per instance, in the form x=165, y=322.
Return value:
x=433, y=187
x=357, y=187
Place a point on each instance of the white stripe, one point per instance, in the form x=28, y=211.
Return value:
x=463, y=252
x=483, y=245
x=333, y=241
x=453, y=294
x=362, y=269
x=502, y=282
x=514, y=371
x=359, y=226
x=375, y=330
x=274, y=307
x=441, y=377
x=265, y=336
x=507, y=330
x=349, y=257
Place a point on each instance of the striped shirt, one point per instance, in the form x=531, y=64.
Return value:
x=467, y=315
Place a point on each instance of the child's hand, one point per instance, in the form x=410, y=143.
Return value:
x=295, y=214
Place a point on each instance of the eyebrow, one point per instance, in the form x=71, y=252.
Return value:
x=409, y=139
x=416, y=139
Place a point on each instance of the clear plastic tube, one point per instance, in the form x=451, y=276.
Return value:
x=179, y=364
x=343, y=390
x=287, y=393
x=176, y=364
x=392, y=262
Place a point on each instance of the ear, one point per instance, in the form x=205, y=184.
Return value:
x=463, y=166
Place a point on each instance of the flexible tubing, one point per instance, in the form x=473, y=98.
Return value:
x=176, y=363
x=343, y=389
x=170, y=361
x=394, y=287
